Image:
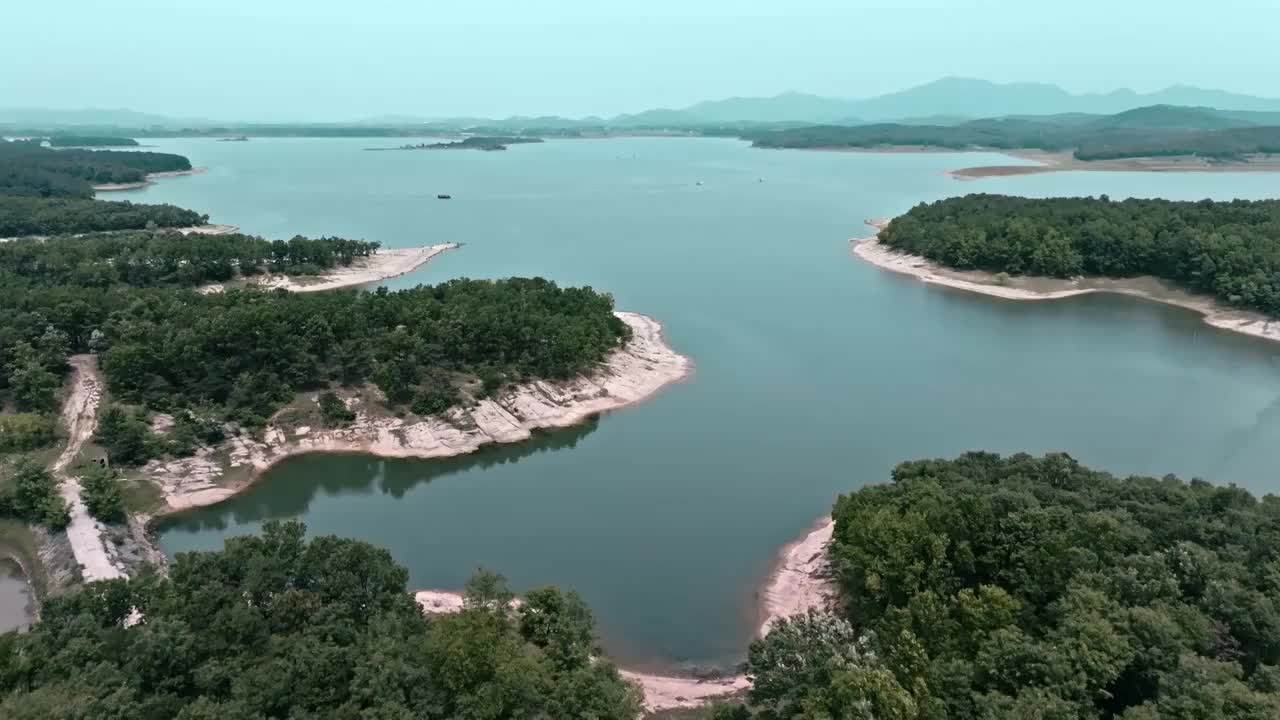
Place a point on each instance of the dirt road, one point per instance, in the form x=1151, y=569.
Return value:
x=80, y=416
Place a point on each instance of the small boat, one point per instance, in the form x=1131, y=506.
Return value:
x=444, y=196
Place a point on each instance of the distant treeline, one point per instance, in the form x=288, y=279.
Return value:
x=475, y=142
x=1228, y=144
x=28, y=169
x=91, y=141
x=1230, y=250
x=149, y=259
x=57, y=216
x=1089, y=143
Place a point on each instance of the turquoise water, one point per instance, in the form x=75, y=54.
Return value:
x=815, y=372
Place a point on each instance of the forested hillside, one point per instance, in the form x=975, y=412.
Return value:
x=276, y=626
x=1230, y=250
x=1021, y=587
x=27, y=169
x=58, y=215
x=1145, y=132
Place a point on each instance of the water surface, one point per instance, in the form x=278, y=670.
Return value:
x=815, y=372
x=16, y=608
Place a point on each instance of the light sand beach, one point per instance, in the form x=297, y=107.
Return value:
x=1214, y=313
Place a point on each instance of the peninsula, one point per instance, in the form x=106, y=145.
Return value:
x=1027, y=249
x=380, y=264
x=629, y=374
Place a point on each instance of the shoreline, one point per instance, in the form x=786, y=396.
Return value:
x=799, y=582
x=382, y=265
x=1047, y=161
x=1050, y=161
x=630, y=375
x=148, y=180
x=1212, y=312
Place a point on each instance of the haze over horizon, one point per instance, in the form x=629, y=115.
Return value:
x=292, y=60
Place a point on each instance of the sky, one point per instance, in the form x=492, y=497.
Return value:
x=319, y=60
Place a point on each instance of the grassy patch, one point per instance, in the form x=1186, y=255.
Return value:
x=140, y=495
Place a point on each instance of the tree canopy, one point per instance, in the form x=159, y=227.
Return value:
x=57, y=216
x=1230, y=250
x=276, y=626
x=148, y=259
x=31, y=170
x=990, y=587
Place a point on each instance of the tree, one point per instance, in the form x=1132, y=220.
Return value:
x=126, y=436
x=31, y=383
x=34, y=497
x=101, y=494
x=334, y=411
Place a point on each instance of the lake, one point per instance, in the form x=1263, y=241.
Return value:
x=815, y=373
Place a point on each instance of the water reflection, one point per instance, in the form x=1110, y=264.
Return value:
x=289, y=489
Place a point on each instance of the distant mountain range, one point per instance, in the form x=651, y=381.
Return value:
x=947, y=101
x=942, y=102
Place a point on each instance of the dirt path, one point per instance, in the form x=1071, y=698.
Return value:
x=80, y=415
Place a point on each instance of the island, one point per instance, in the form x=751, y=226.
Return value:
x=234, y=138
x=475, y=142
x=1041, y=249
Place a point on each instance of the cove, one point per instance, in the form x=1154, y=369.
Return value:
x=815, y=373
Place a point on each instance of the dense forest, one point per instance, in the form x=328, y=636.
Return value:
x=245, y=353
x=28, y=169
x=275, y=626
x=1088, y=142
x=91, y=141
x=1021, y=587
x=62, y=215
x=1230, y=250
x=147, y=259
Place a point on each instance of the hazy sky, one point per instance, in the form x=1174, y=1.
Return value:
x=326, y=60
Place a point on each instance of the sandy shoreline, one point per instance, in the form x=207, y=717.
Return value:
x=800, y=582
x=382, y=265
x=630, y=375
x=150, y=179
x=1213, y=312
x=206, y=229
x=1047, y=161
